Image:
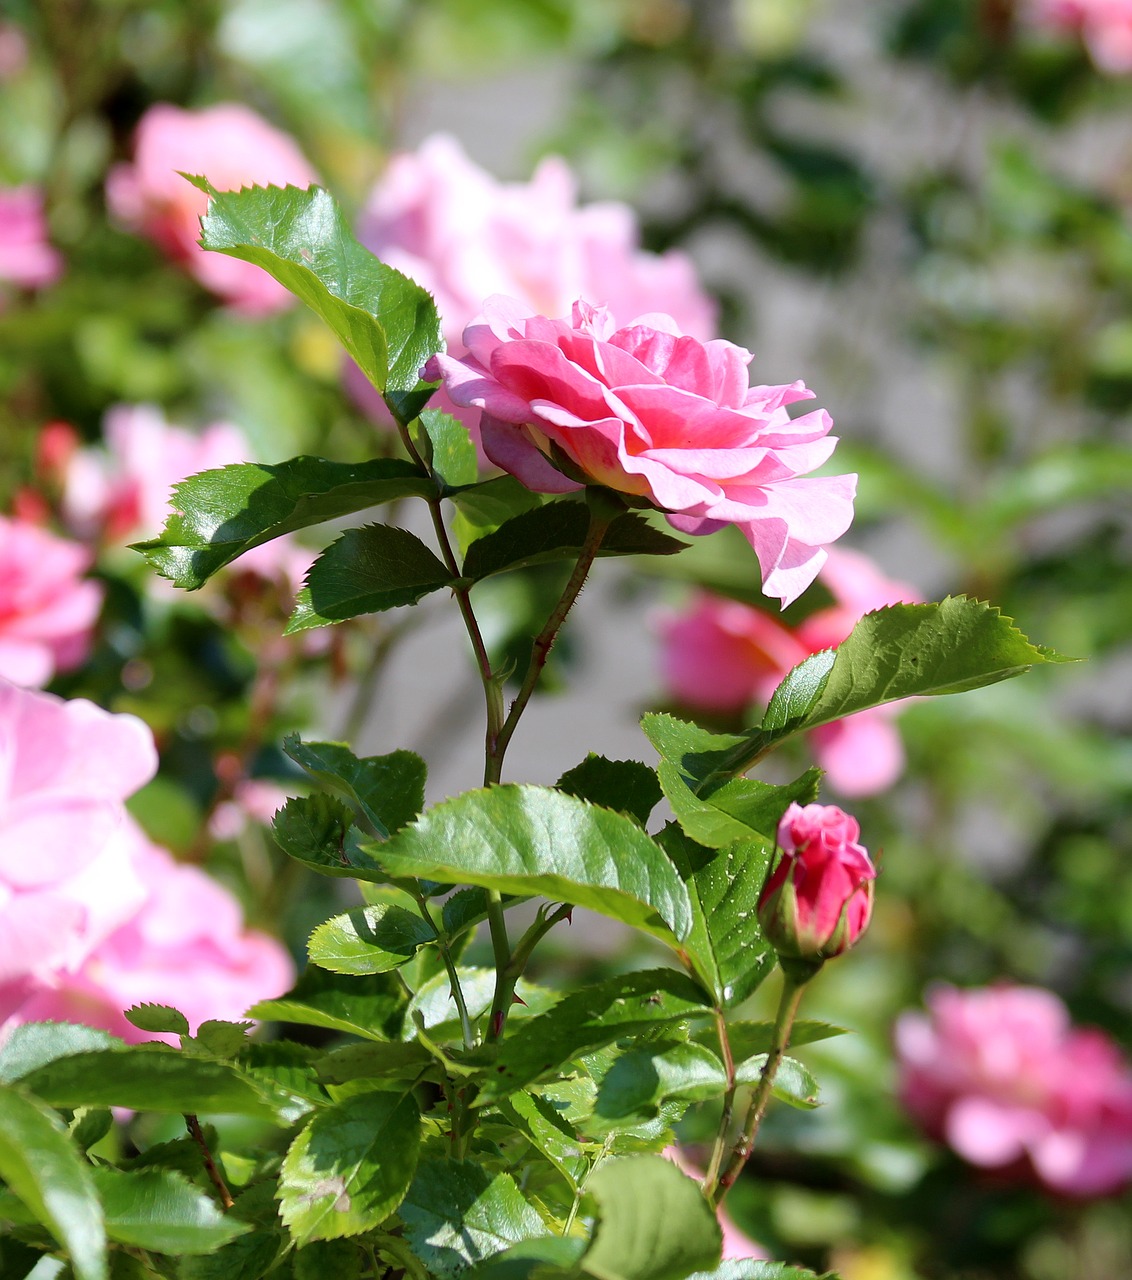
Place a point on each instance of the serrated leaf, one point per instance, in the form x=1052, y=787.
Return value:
x=90, y=1125
x=535, y=840
x=159, y=1210
x=539, y=1259
x=368, y=570
x=376, y=1061
x=349, y=1169
x=218, y=1037
x=248, y=1257
x=41, y=1165
x=594, y=1016
x=747, y=1039
x=34, y=1044
x=448, y=449
x=697, y=751
x=285, y=1065
x=644, y=1077
x=158, y=1018
x=738, y=809
x=319, y=832
x=456, y=1214
x=625, y=786
x=546, y=1130
x=487, y=504
x=387, y=323
x=652, y=1222
x=388, y=790
x=371, y=1007
x=328, y=1260
x=223, y=513
x=369, y=940
x=726, y=944
x=753, y=1269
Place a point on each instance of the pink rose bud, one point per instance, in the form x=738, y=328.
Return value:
x=818, y=899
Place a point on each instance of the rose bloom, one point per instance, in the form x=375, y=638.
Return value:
x=721, y=656
x=818, y=899
x=653, y=413
x=232, y=147
x=26, y=258
x=47, y=609
x=1001, y=1076
x=66, y=881
x=1105, y=26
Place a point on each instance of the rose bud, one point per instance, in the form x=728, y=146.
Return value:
x=818, y=897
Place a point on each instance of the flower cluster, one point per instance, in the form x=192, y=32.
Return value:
x=1003, y=1078
x=721, y=656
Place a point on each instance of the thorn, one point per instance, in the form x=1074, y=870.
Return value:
x=497, y=1024
x=518, y=999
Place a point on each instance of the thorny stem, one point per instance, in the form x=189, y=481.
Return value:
x=214, y=1174
x=791, y=998
x=711, y=1178
x=512, y=971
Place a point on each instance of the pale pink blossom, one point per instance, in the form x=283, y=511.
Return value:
x=47, y=608
x=737, y=1245
x=66, y=881
x=722, y=656
x=254, y=800
x=26, y=257
x=1001, y=1076
x=653, y=413
x=232, y=147
x=1105, y=26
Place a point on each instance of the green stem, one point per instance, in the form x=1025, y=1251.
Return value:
x=510, y=973
x=788, y=1003
x=711, y=1178
x=453, y=975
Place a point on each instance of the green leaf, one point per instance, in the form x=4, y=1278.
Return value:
x=537, y=1119
x=368, y=570
x=652, y=1222
x=726, y=944
x=644, y=1077
x=535, y=840
x=248, y=1257
x=160, y=1210
x=369, y=940
x=221, y=514
x=629, y=1005
x=625, y=786
x=285, y=1065
x=538, y=1259
x=484, y=506
x=34, y=1044
x=388, y=790
x=448, y=449
x=376, y=1061
x=456, y=1214
x=350, y=1167
x=748, y=1039
x=371, y=1007
x=739, y=809
x=387, y=323
x=41, y=1165
x=435, y=1008
x=218, y=1038
x=158, y=1018
x=697, y=751
x=752, y=1269
x=152, y=1077
x=793, y=1083
x=319, y=832
x=328, y=1260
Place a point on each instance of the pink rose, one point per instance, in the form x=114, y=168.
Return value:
x=65, y=877
x=26, y=257
x=232, y=147
x=1105, y=25
x=47, y=609
x=818, y=899
x=721, y=656
x=1001, y=1076
x=659, y=415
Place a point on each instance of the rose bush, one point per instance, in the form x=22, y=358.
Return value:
x=654, y=413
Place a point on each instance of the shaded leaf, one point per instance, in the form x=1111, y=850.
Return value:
x=644, y=1077
x=750, y=1038
x=403, y=1059
x=159, y=1210
x=158, y=1018
x=625, y=786
x=248, y=1257
x=447, y=448
x=387, y=790
x=319, y=832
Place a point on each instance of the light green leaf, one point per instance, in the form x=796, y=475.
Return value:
x=221, y=514
x=487, y=504
x=434, y=1007
x=644, y=1077
x=652, y=1222
x=535, y=840
x=160, y=1210
x=739, y=809
x=34, y=1044
x=388, y=790
x=368, y=570
x=349, y=1169
x=447, y=448
x=456, y=1214
x=371, y=1007
x=793, y=1083
x=41, y=1165
x=625, y=786
x=546, y=1130
x=752, y=1269
x=369, y=940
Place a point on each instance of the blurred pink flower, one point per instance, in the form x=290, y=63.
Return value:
x=653, y=413
x=722, y=656
x=232, y=147
x=254, y=800
x=47, y=609
x=1000, y=1075
x=736, y=1244
x=66, y=880
x=1105, y=26
x=26, y=257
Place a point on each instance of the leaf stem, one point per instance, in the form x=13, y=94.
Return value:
x=791, y=998
x=453, y=974
x=214, y=1174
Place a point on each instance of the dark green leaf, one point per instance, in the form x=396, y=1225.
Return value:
x=248, y=1257
x=739, y=809
x=369, y=940
x=528, y=840
x=750, y=1038
x=158, y=1018
x=159, y=1210
x=39, y=1162
x=387, y=323
x=349, y=1169
x=652, y=1222
x=221, y=514
x=447, y=448
x=34, y=1044
x=367, y=570
x=284, y=1065
x=18, y=1260
x=587, y=1019
x=370, y=1007
x=456, y=1214
x=623, y=785
x=644, y=1077
x=319, y=832
x=402, y=1060
x=387, y=790
x=484, y=506
x=90, y=1125
x=328, y=1260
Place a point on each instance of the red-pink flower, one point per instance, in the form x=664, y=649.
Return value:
x=47, y=608
x=722, y=656
x=1105, y=26
x=232, y=147
x=656, y=414
x=818, y=898
x=1000, y=1075
x=26, y=257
